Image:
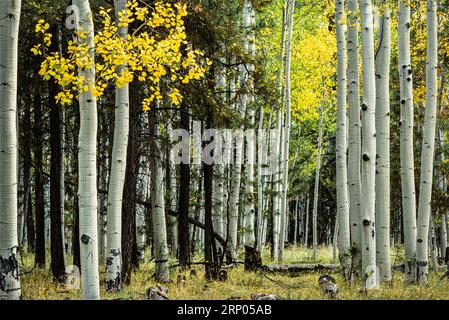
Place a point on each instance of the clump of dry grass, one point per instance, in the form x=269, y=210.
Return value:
x=38, y=284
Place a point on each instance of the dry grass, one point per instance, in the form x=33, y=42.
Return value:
x=38, y=284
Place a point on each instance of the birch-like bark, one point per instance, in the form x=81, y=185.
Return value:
x=158, y=207
x=406, y=143
x=428, y=146
x=9, y=35
x=287, y=126
x=317, y=182
x=341, y=144
x=173, y=201
x=443, y=235
x=433, y=243
x=276, y=190
x=87, y=164
x=117, y=177
x=306, y=228
x=368, y=139
x=234, y=194
x=383, y=148
x=249, y=47
x=355, y=143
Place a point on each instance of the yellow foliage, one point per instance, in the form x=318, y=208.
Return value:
x=147, y=55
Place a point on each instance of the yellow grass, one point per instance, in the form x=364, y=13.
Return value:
x=38, y=283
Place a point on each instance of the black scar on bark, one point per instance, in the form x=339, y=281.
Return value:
x=366, y=223
x=365, y=157
x=9, y=265
x=364, y=106
x=85, y=239
x=419, y=240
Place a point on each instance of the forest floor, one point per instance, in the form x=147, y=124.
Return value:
x=38, y=284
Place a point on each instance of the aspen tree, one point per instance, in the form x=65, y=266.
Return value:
x=342, y=182
x=406, y=143
x=368, y=139
x=428, y=145
x=9, y=36
x=118, y=168
x=383, y=147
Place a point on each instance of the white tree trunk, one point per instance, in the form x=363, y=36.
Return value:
x=383, y=148
x=286, y=133
x=158, y=210
x=443, y=235
x=341, y=145
x=9, y=35
x=355, y=143
x=117, y=177
x=249, y=47
x=406, y=144
x=317, y=182
x=173, y=194
x=428, y=146
x=368, y=138
x=87, y=156
x=306, y=228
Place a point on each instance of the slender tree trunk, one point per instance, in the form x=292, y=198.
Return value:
x=286, y=140
x=383, y=148
x=117, y=177
x=368, y=140
x=173, y=193
x=158, y=205
x=184, y=201
x=56, y=196
x=9, y=35
x=428, y=146
x=87, y=192
x=76, y=214
x=129, y=228
x=432, y=241
x=27, y=183
x=306, y=231
x=249, y=47
x=39, y=258
x=317, y=181
x=443, y=235
x=342, y=177
x=406, y=144
x=355, y=143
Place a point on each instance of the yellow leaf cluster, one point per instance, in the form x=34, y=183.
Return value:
x=156, y=50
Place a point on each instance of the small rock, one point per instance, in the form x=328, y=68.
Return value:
x=328, y=285
x=264, y=296
x=157, y=293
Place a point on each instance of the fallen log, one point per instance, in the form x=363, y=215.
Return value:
x=301, y=268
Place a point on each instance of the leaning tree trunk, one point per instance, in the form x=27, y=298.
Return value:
x=355, y=143
x=342, y=182
x=406, y=144
x=117, y=177
x=428, y=146
x=87, y=155
x=368, y=139
x=9, y=35
x=383, y=149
